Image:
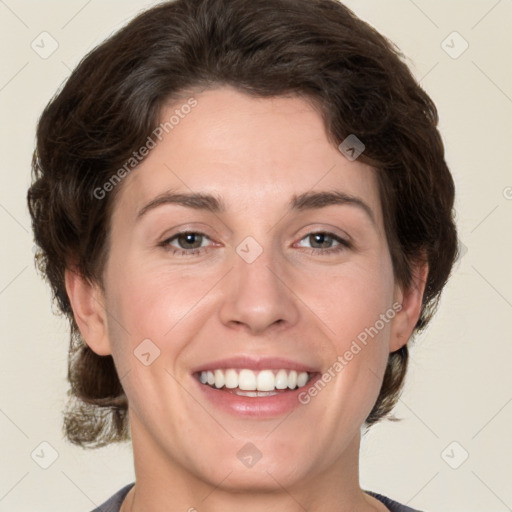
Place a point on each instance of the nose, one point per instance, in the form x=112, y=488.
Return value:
x=258, y=296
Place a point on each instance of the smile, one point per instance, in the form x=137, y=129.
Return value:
x=246, y=382
x=254, y=387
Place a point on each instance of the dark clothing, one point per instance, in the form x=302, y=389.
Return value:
x=114, y=503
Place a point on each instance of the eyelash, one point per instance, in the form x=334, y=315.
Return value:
x=343, y=244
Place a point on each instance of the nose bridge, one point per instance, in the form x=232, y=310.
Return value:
x=256, y=295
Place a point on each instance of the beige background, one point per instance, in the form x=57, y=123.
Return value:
x=460, y=383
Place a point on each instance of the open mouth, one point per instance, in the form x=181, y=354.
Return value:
x=246, y=382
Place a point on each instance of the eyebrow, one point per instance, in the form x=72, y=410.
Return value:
x=214, y=204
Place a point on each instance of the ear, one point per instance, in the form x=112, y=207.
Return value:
x=411, y=300
x=87, y=301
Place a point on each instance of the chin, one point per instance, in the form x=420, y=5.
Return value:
x=263, y=477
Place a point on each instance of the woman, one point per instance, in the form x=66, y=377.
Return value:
x=244, y=210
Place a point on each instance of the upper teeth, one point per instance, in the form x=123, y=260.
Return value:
x=247, y=380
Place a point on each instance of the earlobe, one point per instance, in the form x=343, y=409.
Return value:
x=87, y=302
x=411, y=301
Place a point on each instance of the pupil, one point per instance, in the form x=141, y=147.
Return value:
x=189, y=239
x=321, y=237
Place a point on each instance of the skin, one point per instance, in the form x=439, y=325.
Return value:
x=255, y=154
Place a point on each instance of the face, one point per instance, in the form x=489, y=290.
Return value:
x=279, y=272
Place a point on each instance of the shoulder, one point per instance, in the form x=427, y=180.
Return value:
x=393, y=506
x=113, y=504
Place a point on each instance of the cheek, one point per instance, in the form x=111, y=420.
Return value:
x=133, y=309
x=154, y=303
x=147, y=300
x=141, y=311
x=358, y=309
x=353, y=298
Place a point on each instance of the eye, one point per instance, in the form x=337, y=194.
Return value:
x=325, y=240
x=188, y=243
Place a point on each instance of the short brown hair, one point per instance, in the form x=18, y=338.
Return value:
x=317, y=49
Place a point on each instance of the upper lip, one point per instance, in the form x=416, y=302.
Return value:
x=255, y=363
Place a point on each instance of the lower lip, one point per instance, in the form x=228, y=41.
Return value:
x=256, y=407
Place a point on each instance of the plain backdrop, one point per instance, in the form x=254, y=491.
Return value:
x=453, y=450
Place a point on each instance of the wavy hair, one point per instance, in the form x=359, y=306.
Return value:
x=317, y=49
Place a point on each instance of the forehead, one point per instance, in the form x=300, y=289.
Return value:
x=251, y=151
